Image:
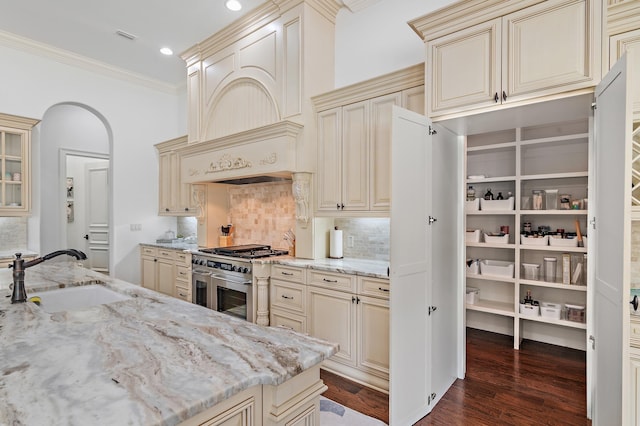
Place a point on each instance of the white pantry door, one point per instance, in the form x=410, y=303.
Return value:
x=611, y=244
x=412, y=336
x=97, y=236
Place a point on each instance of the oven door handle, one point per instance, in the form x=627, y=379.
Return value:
x=201, y=272
x=226, y=279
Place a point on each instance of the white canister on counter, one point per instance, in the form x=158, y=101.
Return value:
x=335, y=243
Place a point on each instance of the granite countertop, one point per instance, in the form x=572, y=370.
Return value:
x=151, y=359
x=176, y=245
x=368, y=268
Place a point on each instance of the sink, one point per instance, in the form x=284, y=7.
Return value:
x=74, y=298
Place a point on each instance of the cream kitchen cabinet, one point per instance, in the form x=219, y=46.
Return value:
x=288, y=296
x=175, y=198
x=623, y=27
x=522, y=53
x=354, y=134
x=354, y=312
x=15, y=165
x=166, y=271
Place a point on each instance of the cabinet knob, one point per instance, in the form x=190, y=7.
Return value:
x=341, y=206
x=338, y=206
x=166, y=209
x=186, y=209
x=496, y=98
x=504, y=95
x=287, y=297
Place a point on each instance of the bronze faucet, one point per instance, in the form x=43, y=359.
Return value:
x=19, y=294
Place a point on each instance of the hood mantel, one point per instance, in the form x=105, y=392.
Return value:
x=269, y=150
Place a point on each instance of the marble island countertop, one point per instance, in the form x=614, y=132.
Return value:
x=150, y=359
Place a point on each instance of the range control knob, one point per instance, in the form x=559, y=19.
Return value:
x=245, y=270
x=234, y=268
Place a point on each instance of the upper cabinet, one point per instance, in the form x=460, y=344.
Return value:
x=354, y=135
x=175, y=197
x=508, y=52
x=623, y=28
x=15, y=165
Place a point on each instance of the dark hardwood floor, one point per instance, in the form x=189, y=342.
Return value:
x=539, y=384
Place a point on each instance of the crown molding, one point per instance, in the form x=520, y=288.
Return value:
x=357, y=5
x=622, y=17
x=73, y=59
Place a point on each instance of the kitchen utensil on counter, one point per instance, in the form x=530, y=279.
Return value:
x=226, y=239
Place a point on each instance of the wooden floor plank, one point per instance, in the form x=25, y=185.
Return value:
x=539, y=384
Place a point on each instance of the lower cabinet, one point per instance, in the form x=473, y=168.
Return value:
x=634, y=371
x=358, y=322
x=166, y=271
x=288, y=295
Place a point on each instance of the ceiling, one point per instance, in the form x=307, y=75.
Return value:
x=89, y=29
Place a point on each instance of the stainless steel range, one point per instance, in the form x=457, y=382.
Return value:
x=222, y=278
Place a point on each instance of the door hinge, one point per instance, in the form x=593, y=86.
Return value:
x=432, y=309
x=593, y=342
x=432, y=219
x=593, y=223
x=431, y=398
x=593, y=105
x=432, y=131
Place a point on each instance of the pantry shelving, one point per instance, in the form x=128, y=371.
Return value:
x=549, y=157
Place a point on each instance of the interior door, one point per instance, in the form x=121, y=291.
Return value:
x=97, y=178
x=611, y=245
x=417, y=348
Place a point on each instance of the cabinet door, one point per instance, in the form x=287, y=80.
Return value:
x=355, y=156
x=166, y=204
x=463, y=69
x=549, y=48
x=149, y=272
x=373, y=335
x=329, y=159
x=618, y=46
x=165, y=276
x=332, y=316
x=14, y=171
x=634, y=383
x=380, y=148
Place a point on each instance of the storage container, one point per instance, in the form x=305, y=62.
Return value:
x=496, y=239
x=550, y=310
x=551, y=199
x=497, y=205
x=575, y=312
x=472, y=236
x=473, y=267
x=526, y=240
x=471, y=206
x=498, y=268
x=529, y=310
x=550, y=265
x=557, y=241
x=473, y=295
x=531, y=271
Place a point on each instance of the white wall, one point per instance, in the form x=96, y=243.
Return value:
x=137, y=116
x=377, y=40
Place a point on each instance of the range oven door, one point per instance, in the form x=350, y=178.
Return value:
x=233, y=297
x=203, y=290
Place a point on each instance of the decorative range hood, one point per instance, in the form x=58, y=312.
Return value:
x=263, y=154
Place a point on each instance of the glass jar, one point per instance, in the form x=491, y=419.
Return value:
x=536, y=199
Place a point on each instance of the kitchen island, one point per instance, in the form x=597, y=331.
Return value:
x=150, y=359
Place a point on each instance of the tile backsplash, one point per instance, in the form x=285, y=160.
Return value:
x=13, y=233
x=370, y=238
x=261, y=213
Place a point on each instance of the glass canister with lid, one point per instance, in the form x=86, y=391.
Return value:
x=536, y=199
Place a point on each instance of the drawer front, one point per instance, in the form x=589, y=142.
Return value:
x=288, y=320
x=182, y=273
x=335, y=281
x=374, y=287
x=288, y=296
x=181, y=292
x=634, y=332
x=183, y=258
x=167, y=253
x=287, y=273
x=149, y=251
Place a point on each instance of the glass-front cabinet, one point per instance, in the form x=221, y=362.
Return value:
x=15, y=167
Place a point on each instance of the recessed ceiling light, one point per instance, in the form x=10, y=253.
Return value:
x=166, y=51
x=233, y=5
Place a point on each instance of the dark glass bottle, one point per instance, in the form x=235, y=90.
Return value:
x=488, y=195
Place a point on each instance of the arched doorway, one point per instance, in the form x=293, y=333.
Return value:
x=75, y=152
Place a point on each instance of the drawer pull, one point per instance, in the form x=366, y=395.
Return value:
x=329, y=281
x=287, y=273
x=182, y=295
x=287, y=297
x=383, y=289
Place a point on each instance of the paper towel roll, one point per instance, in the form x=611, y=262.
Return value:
x=335, y=244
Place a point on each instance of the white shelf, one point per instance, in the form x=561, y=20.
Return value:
x=491, y=278
x=555, y=176
x=491, y=213
x=582, y=288
x=553, y=212
x=554, y=248
x=556, y=139
x=563, y=323
x=492, y=179
x=492, y=245
x=492, y=147
x=492, y=307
